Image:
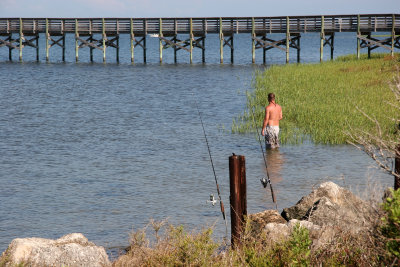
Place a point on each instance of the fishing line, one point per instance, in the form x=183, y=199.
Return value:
x=212, y=165
x=267, y=180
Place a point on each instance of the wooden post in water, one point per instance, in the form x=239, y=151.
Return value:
x=76, y=41
x=47, y=39
x=369, y=47
x=91, y=48
x=358, y=35
x=104, y=40
x=393, y=35
x=21, y=36
x=397, y=168
x=322, y=39
x=175, y=40
x=37, y=47
x=91, y=40
x=332, y=44
x=132, y=44
x=144, y=40
x=159, y=37
x=117, y=41
x=203, y=50
x=117, y=52
x=191, y=40
x=10, y=47
x=63, y=39
x=221, y=42
x=298, y=49
x=287, y=38
x=237, y=181
x=253, y=42
x=10, y=39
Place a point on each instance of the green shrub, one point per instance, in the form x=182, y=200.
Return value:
x=293, y=252
x=391, y=227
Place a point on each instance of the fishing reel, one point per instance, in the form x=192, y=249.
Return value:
x=212, y=200
x=265, y=181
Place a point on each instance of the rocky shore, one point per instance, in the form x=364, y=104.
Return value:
x=325, y=212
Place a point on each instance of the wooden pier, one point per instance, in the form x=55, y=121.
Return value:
x=18, y=33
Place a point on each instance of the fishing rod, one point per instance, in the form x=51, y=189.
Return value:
x=266, y=180
x=212, y=200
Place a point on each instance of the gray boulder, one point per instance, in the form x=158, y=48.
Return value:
x=71, y=250
x=331, y=205
x=277, y=232
x=261, y=219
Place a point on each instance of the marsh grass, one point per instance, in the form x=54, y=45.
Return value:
x=320, y=101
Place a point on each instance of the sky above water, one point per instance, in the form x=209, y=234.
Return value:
x=198, y=8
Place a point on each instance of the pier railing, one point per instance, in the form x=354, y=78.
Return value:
x=300, y=24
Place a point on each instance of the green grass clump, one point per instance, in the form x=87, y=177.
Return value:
x=320, y=101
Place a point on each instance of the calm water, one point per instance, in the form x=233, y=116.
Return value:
x=102, y=148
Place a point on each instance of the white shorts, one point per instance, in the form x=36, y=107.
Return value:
x=271, y=137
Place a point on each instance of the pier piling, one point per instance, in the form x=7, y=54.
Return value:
x=104, y=40
x=221, y=42
x=358, y=37
x=322, y=40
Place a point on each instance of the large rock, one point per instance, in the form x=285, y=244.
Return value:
x=331, y=205
x=261, y=219
x=71, y=250
x=277, y=232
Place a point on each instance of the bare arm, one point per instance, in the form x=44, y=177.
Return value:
x=266, y=119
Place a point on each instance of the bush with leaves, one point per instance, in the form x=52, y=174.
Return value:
x=391, y=226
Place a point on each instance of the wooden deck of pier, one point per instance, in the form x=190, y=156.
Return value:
x=101, y=33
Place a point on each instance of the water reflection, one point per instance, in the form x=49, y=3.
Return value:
x=275, y=161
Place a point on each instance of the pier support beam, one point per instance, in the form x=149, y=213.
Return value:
x=366, y=40
x=59, y=42
x=221, y=42
x=191, y=40
x=104, y=40
x=226, y=42
x=393, y=35
x=229, y=42
x=112, y=40
x=160, y=35
x=10, y=43
x=358, y=37
x=265, y=43
x=25, y=40
x=322, y=40
x=188, y=45
x=253, y=42
x=287, y=39
x=327, y=38
x=76, y=41
x=138, y=42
